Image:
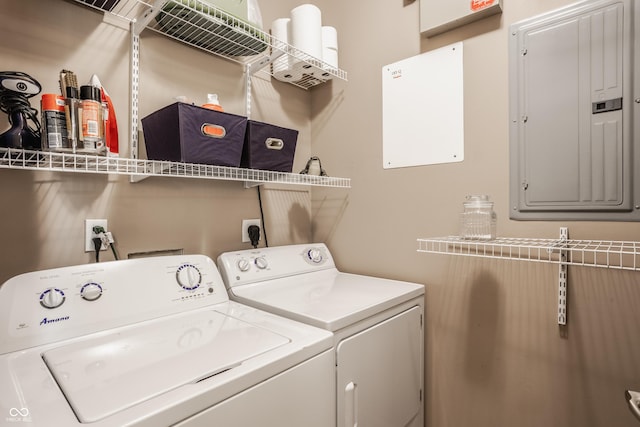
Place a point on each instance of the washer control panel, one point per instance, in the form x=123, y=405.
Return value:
x=44, y=306
x=253, y=265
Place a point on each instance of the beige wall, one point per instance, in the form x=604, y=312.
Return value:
x=494, y=354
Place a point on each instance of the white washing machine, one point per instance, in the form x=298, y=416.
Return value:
x=154, y=342
x=377, y=326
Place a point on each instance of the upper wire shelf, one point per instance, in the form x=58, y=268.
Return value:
x=199, y=24
x=591, y=253
x=12, y=158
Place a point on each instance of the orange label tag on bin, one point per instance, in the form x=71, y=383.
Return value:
x=481, y=4
x=214, y=131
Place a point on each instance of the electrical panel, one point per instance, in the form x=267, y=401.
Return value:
x=438, y=16
x=572, y=107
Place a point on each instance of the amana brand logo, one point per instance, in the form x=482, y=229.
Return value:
x=46, y=321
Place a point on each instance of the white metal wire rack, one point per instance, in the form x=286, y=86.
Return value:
x=11, y=158
x=590, y=253
x=199, y=24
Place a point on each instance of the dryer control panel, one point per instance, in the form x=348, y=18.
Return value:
x=256, y=265
x=46, y=306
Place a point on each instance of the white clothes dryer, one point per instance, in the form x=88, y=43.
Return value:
x=154, y=342
x=377, y=325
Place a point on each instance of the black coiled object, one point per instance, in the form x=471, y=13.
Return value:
x=15, y=90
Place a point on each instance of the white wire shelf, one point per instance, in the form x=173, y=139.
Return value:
x=590, y=253
x=199, y=24
x=11, y=158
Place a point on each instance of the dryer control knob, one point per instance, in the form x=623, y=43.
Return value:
x=188, y=277
x=91, y=291
x=261, y=263
x=243, y=265
x=52, y=298
x=315, y=255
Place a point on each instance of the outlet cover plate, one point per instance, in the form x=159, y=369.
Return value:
x=89, y=234
x=245, y=229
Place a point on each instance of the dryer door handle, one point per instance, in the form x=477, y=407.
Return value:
x=351, y=405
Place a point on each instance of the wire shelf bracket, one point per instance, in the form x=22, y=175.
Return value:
x=562, y=278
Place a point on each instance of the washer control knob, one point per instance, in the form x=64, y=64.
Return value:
x=261, y=262
x=52, y=298
x=243, y=265
x=188, y=277
x=315, y=255
x=91, y=291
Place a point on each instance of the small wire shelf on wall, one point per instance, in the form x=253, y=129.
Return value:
x=565, y=252
x=204, y=26
x=589, y=253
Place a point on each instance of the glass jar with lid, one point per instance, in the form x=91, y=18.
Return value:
x=478, y=220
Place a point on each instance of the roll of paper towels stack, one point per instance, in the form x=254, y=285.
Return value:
x=306, y=35
x=316, y=47
x=329, y=49
x=282, y=66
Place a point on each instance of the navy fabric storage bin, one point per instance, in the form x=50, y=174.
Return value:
x=269, y=147
x=187, y=133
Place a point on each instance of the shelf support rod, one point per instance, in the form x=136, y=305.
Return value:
x=247, y=88
x=249, y=70
x=562, y=277
x=134, y=85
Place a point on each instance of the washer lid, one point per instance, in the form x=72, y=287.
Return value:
x=103, y=375
x=327, y=299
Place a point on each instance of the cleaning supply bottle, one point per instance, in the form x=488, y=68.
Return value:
x=90, y=119
x=212, y=102
x=110, y=122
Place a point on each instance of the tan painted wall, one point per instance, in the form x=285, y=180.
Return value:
x=494, y=353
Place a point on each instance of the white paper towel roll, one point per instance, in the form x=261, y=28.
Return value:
x=288, y=75
x=330, y=46
x=280, y=31
x=306, y=30
x=282, y=66
x=329, y=37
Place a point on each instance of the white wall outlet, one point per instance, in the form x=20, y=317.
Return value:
x=245, y=227
x=89, y=234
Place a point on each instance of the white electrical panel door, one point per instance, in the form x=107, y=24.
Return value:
x=571, y=101
x=423, y=109
x=380, y=374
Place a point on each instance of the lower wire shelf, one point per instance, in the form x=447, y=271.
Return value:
x=590, y=253
x=621, y=255
x=12, y=158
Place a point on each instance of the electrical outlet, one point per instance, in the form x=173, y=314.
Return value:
x=89, y=234
x=245, y=227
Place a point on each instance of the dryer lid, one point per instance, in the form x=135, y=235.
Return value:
x=105, y=374
x=327, y=299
